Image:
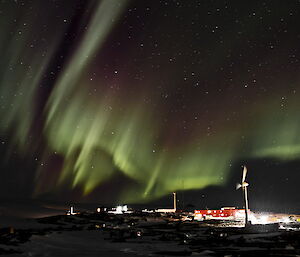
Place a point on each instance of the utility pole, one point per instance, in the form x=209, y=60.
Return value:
x=174, y=201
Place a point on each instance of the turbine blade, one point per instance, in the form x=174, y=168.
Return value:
x=238, y=186
x=244, y=174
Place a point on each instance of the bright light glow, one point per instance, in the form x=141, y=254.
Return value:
x=285, y=220
x=119, y=209
x=264, y=219
x=198, y=217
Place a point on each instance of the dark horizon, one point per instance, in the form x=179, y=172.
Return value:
x=263, y=197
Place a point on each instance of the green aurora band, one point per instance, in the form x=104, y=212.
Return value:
x=100, y=135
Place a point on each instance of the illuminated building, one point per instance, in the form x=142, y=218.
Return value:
x=230, y=213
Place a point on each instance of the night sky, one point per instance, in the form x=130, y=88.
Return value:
x=128, y=101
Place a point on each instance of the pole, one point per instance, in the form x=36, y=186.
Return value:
x=174, y=201
x=246, y=205
x=183, y=206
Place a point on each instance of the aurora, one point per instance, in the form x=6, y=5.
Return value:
x=168, y=97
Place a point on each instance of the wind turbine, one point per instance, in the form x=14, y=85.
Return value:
x=244, y=186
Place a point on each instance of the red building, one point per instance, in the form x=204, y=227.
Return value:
x=224, y=213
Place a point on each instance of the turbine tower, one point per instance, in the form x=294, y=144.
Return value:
x=244, y=186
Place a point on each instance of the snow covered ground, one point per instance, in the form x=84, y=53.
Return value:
x=91, y=243
x=102, y=234
x=73, y=243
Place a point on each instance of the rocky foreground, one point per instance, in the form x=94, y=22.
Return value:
x=144, y=234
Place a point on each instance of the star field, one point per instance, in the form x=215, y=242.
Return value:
x=149, y=96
